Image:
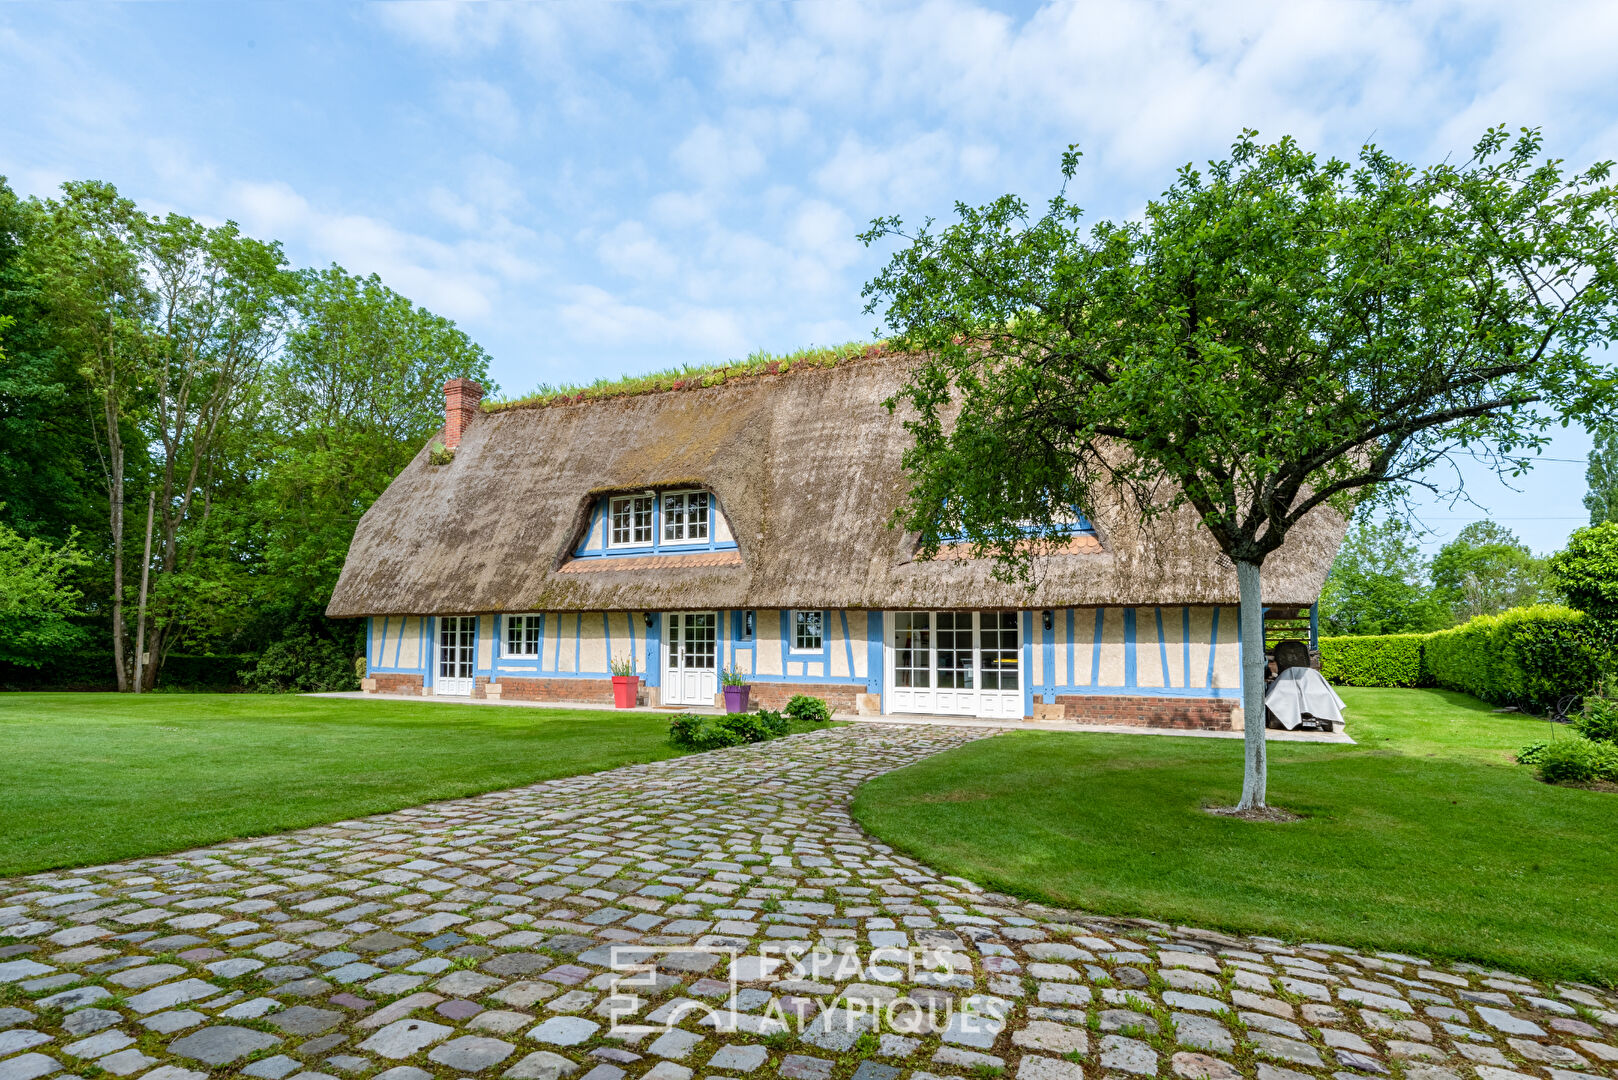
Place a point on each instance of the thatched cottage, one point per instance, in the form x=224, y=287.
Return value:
x=745, y=526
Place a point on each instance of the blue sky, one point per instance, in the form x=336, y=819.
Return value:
x=596, y=190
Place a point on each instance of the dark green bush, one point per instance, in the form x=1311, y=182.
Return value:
x=186, y=672
x=1578, y=761
x=683, y=729
x=1599, y=721
x=775, y=723
x=744, y=727
x=1532, y=753
x=302, y=662
x=1381, y=660
x=808, y=710
x=732, y=729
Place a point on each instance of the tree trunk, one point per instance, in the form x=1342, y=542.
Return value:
x=1256, y=776
x=115, y=505
x=140, y=611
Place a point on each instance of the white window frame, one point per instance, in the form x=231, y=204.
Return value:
x=820, y=633
x=634, y=526
x=684, y=499
x=506, y=624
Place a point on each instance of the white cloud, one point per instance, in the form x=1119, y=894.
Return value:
x=629, y=249
x=717, y=157
x=594, y=316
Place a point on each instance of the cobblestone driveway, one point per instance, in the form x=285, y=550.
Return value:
x=471, y=938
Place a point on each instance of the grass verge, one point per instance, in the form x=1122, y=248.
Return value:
x=1424, y=838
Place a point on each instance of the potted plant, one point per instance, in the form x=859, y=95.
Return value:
x=625, y=683
x=736, y=691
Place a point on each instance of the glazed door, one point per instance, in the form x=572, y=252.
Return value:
x=955, y=663
x=457, y=649
x=691, y=666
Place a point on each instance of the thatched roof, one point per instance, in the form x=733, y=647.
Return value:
x=806, y=467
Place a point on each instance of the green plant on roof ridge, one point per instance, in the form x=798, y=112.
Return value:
x=687, y=376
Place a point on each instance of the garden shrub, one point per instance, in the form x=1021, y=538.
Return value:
x=775, y=723
x=1532, y=753
x=1578, y=761
x=733, y=729
x=301, y=662
x=809, y=710
x=1599, y=721
x=1380, y=660
x=745, y=727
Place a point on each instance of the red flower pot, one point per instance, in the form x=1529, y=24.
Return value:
x=625, y=689
x=736, y=698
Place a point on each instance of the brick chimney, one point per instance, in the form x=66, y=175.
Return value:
x=461, y=397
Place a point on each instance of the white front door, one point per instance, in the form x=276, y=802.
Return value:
x=691, y=661
x=955, y=663
x=457, y=649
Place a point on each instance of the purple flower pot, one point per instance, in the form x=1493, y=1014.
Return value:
x=736, y=698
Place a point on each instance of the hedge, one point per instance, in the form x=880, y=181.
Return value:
x=1379, y=660
x=93, y=670
x=1533, y=657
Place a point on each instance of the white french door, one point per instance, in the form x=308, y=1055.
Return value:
x=955, y=663
x=457, y=651
x=691, y=658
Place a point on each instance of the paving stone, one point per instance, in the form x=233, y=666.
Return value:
x=1194, y=1066
x=306, y=1020
x=1035, y=1067
x=404, y=1038
x=541, y=1065
x=1052, y=1038
x=745, y=1059
x=28, y=1066
x=404, y=1072
x=272, y=1068
x=801, y=1067
x=471, y=1053
x=98, y=1045
x=222, y=1044
x=167, y=1023
x=1128, y=1055
x=564, y=1031
x=85, y=1021
x=125, y=1062
x=675, y=1044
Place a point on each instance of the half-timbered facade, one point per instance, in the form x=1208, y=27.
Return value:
x=746, y=526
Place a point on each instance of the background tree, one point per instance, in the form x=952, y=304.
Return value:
x=1378, y=584
x=1276, y=335
x=1485, y=570
x=1601, y=474
x=38, y=599
x=1587, y=571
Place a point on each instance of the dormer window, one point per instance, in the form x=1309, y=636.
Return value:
x=632, y=521
x=685, y=517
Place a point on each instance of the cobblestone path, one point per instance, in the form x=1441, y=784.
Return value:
x=476, y=938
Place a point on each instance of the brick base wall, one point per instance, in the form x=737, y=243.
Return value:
x=590, y=690
x=840, y=696
x=393, y=683
x=1206, y=714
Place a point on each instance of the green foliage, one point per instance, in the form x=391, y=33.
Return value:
x=1577, y=761
x=732, y=677
x=1601, y=474
x=732, y=729
x=1275, y=333
x=1486, y=570
x=302, y=662
x=182, y=671
x=1380, y=660
x=1587, y=570
x=1599, y=720
x=689, y=376
x=1532, y=753
x=808, y=709
x=1377, y=584
x=623, y=666
x=38, y=598
x=1537, y=657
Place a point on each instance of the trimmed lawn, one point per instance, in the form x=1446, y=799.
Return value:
x=93, y=778
x=1424, y=838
